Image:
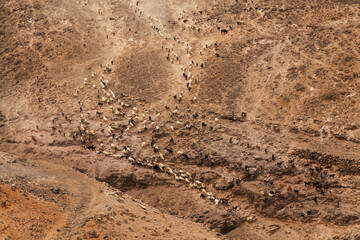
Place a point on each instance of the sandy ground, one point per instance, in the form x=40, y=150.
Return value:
x=167, y=119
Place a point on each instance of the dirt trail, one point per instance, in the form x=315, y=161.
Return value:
x=238, y=116
x=49, y=201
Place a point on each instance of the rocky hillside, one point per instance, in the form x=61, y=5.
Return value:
x=167, y=119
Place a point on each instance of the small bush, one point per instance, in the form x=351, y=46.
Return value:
x=330, y=96
x=38, y=6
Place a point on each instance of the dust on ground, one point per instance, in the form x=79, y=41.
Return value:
x=164, y=119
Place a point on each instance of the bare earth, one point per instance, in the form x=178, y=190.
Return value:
x=167, y=119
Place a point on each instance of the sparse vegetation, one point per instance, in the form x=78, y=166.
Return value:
x=38, y=6
x=330, y=95
x=163, y=119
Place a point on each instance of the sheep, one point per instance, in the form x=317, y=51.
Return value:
x=211, y=196
x=169, y=170
x=110, y=129
x=107, y=67
x=156, y=148
x=81, y=128
x=91, y=132
x=117, y=112
x=174, y=112
x=224, y=31
x=98, y=152
x=161, y=156
x=131, y=122
x=126, y=150
x=180, y=97
x=169, y=150
x=83, y=120
x=103, y=84
x=162, y=166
